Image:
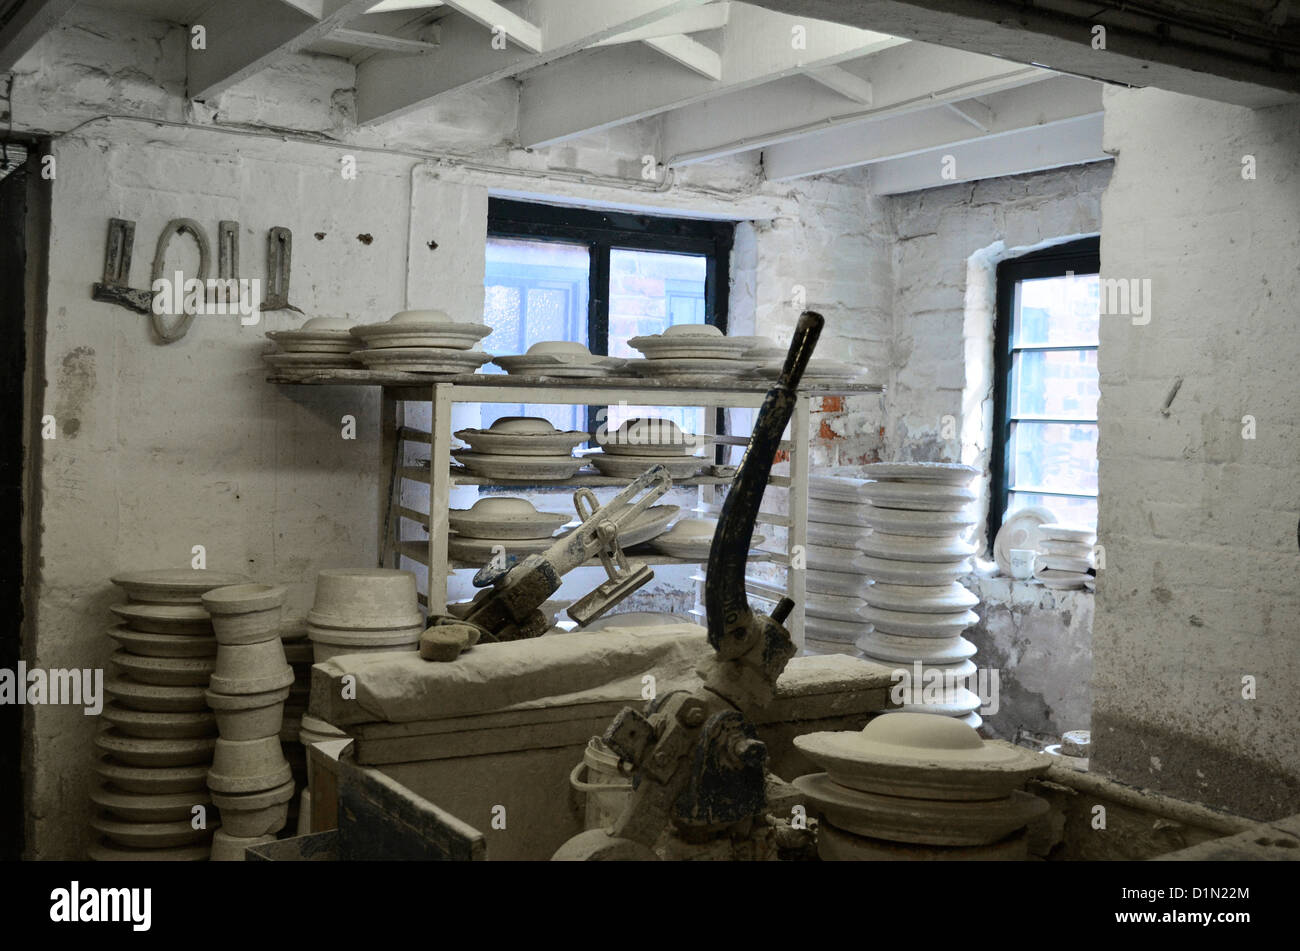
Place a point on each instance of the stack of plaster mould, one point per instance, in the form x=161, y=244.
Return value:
x=836, y=577
x=160, y=734
x=299, y=652
x=250, y=779
x=919, y=788
x=1065, y=556
x=361, y=611
x=918, y=514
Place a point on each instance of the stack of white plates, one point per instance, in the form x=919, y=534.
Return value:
x=322, y=343
x=819, y=372
x=648, y=441
x=692, y=538
x=920, y=788
x=564, y=359
x=916, y=551
x=521, y=447
x=422, y=341
x=1064, y=555
x=692, y=353
x=463, y=546
x=511, y=524
x=836, y=580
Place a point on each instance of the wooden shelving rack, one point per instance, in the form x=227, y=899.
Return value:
x=402, y=392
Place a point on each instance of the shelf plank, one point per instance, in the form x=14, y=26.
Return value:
x=763, y=518
x=585, y=477
x=404, y=379
x=418, y=551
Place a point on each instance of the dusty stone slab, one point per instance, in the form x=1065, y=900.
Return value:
x=555, y=670
x=568, y=671
x=814, y=692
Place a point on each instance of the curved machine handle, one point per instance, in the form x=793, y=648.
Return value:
x=732, y=627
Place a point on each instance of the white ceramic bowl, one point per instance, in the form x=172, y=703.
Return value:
x=649, y=431
x=420, y=317
x=562, y=348
x=522, y=425
x=504, y=518
x=503, y=507
x=327, y=325
x=692, y=330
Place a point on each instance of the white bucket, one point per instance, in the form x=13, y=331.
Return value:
x=605, y=787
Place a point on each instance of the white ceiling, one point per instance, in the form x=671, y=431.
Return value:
x=722, y=78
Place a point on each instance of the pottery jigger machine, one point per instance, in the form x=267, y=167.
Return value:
x=698, y=768
x=510, y=606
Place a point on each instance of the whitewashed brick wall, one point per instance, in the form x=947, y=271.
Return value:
x=1202, y=585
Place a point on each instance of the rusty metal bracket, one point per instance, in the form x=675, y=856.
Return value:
x=228, y=250
x=279, y=258
x=115, y=288
x=225, y=291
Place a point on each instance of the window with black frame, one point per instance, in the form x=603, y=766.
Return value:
x=1046, y=385
x=599, y=278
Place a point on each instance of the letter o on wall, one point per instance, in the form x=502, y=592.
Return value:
x=178, y=226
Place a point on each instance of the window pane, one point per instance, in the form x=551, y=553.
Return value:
x=534, y=291
x=1057, y=384
x=1054, y=457
x=1057, y=312
x=1071, y=511
x=650, y=291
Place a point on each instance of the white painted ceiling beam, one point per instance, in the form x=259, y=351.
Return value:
x=1055, y=102
x=692, y=54
x=1036, y=149
x=1249, y=65
x=27, y=24
x=903, y=79
x=845, y=83
x=382, y=41
x=243, y=37
x=391, y=85
x=975, y=112
x=609, y=87
x=394, y=6
x=711, y=17
x=497, y=18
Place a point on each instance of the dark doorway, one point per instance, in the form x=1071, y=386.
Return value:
x=14, y=300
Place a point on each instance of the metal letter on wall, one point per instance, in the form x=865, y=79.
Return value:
x=279, y=256
x=182, y=323
x=227, y=289
x=115, y=287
